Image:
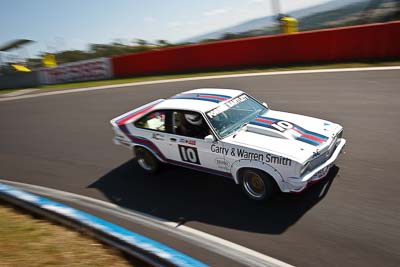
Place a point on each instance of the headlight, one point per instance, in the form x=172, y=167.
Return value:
x=304, y=168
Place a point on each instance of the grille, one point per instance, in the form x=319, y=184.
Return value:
x=318, y=161
x=325, y=155
x=340, y=134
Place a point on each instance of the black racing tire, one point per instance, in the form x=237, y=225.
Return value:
x=257, y=185
x=146, y=160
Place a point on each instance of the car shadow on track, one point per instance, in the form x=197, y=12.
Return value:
x=182, y=195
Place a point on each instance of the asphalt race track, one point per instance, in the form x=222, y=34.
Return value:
x=350, y=219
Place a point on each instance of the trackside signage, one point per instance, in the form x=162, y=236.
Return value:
x=93, y=69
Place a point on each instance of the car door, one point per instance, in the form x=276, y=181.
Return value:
x=170, y=135
x=188, y=145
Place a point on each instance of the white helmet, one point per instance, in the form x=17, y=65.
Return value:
x=194, y=119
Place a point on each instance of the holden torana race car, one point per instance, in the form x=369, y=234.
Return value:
x=229, y=133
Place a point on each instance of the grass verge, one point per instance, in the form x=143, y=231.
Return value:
x=216, y=72
x=28, y=241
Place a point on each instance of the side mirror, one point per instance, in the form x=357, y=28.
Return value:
x=209, y=138
x=265, y=105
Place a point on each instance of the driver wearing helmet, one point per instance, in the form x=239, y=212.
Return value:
x=195, y=125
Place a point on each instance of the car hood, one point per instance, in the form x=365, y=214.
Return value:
x=291, y=135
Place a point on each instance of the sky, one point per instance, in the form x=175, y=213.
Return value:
x=72, y=24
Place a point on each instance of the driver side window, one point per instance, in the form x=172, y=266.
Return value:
x=190, y=124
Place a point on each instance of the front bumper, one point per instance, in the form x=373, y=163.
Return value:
x=298, y=184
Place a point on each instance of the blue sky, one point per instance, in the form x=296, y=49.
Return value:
x=61, y=25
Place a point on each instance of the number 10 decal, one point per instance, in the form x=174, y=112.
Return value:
x=282, y=126
x=189, y=154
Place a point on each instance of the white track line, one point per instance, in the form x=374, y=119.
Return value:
x=212, y=243
x=19, y=92
x=77, y=90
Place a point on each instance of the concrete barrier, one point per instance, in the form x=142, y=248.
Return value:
x=373, y=41
x=86, y=70
x=19, y=80
x=148, y=250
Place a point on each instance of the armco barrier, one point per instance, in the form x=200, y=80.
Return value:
x=146, y=249
x=93, y=69
x=373, y=41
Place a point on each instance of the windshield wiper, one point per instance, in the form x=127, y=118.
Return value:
x=240, y=128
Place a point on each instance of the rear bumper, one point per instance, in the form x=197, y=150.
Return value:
x=298, y=184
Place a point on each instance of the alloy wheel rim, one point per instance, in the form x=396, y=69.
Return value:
x=254, y=185
x=146, y=162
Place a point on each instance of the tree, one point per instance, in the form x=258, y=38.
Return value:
x=163, y=43
x=141, y=42
x=229, y=35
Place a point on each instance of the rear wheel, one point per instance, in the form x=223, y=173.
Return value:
x=146, y=160
x=257, y=185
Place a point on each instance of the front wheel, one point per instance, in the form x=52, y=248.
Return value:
x=257, y=185
x=146, y=160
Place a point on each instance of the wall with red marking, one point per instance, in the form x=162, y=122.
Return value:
x=86, y=70
x=373, y=41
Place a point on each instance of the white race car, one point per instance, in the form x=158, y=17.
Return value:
x=229, y=133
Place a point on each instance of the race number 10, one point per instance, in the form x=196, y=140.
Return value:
x=189, y=154
x=282, y=126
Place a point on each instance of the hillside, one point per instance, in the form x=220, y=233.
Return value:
x=331, y=14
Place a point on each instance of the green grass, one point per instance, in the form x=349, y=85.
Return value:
x=214, y=73
x=26, y=241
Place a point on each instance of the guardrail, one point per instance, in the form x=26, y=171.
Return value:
x=373, y=41
x=134, y=244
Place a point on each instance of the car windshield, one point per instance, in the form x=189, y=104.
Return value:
x=232, y=115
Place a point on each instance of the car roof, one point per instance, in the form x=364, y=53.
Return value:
x=199, y=100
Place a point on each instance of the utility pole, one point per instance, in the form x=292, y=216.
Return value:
x=276, y=7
